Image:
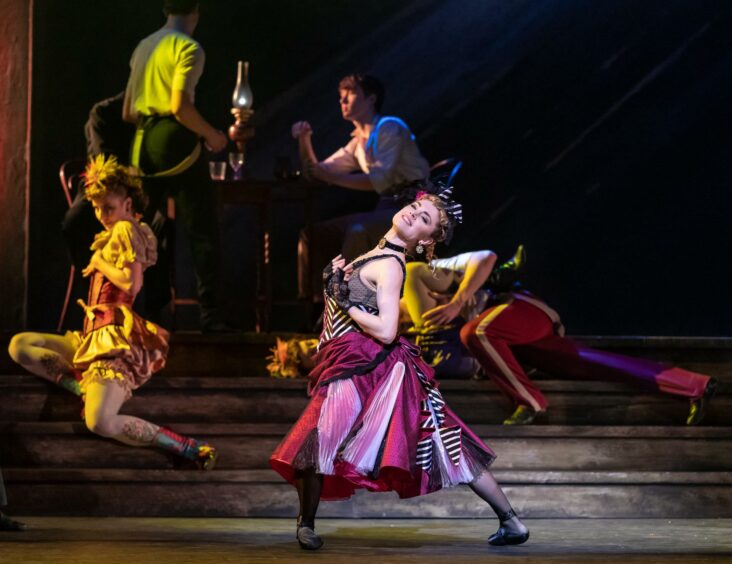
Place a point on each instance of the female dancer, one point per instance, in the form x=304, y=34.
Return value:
x=117, y=351
x=376, y=419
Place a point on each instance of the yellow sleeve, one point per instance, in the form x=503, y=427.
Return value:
x=189, y=61
x=132, y=242
x=123, y=251
x=147, y=253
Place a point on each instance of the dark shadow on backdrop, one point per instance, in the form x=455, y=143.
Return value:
x=597, y=135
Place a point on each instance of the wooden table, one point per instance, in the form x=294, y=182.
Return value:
x=264, y=194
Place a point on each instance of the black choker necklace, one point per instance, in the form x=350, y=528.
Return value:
x=384, y=243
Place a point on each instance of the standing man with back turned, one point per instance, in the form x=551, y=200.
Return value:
x=160, y=99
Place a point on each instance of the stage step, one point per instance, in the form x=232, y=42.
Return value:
x=244, y=354
x=602, y=449
x=259, y=493
x=248, y=447
x=622, y=471
x=269, y=400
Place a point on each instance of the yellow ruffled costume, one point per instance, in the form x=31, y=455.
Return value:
x=116, y=343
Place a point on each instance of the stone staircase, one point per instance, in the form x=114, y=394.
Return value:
x=602, y=450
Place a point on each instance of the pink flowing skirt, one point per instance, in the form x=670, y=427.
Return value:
x=377, y=420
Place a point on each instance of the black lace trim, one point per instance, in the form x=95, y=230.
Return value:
x=360, y=262
x=307, y=456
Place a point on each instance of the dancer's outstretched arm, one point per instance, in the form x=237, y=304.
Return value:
x=477, y=266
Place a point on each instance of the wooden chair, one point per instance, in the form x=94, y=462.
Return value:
x=175, y=301
x=69, y=175
x=445, y=170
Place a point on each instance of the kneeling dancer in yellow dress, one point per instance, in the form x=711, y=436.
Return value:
x=117, y=351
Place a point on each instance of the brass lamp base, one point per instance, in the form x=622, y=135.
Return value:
x=240, y=132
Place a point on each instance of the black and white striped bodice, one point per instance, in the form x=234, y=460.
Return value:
x=337, y=322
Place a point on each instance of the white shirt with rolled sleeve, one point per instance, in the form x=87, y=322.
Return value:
x=389, y=156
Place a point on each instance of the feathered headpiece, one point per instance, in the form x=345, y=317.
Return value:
x=103, y=171
x=98, y=169
x=291, y=358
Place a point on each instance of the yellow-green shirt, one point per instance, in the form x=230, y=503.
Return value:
x=162, y=63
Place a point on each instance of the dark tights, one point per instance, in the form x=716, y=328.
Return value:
x=308, y=484
x=488, y=490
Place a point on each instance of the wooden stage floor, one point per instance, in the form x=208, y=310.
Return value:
x=77, y=540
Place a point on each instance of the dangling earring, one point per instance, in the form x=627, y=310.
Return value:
x=419, y=248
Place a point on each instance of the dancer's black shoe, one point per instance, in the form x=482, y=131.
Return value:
x=8, y=524
x=306, y=537
x=502, y=536
x=698, y=406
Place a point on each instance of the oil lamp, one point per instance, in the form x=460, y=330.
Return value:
x=242, y=100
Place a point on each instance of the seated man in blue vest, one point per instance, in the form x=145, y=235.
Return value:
x=381, y=156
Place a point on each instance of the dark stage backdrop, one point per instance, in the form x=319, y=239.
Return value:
x=596, y=133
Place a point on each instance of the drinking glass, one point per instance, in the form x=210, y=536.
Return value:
x=236, y=161
x=217, y=170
